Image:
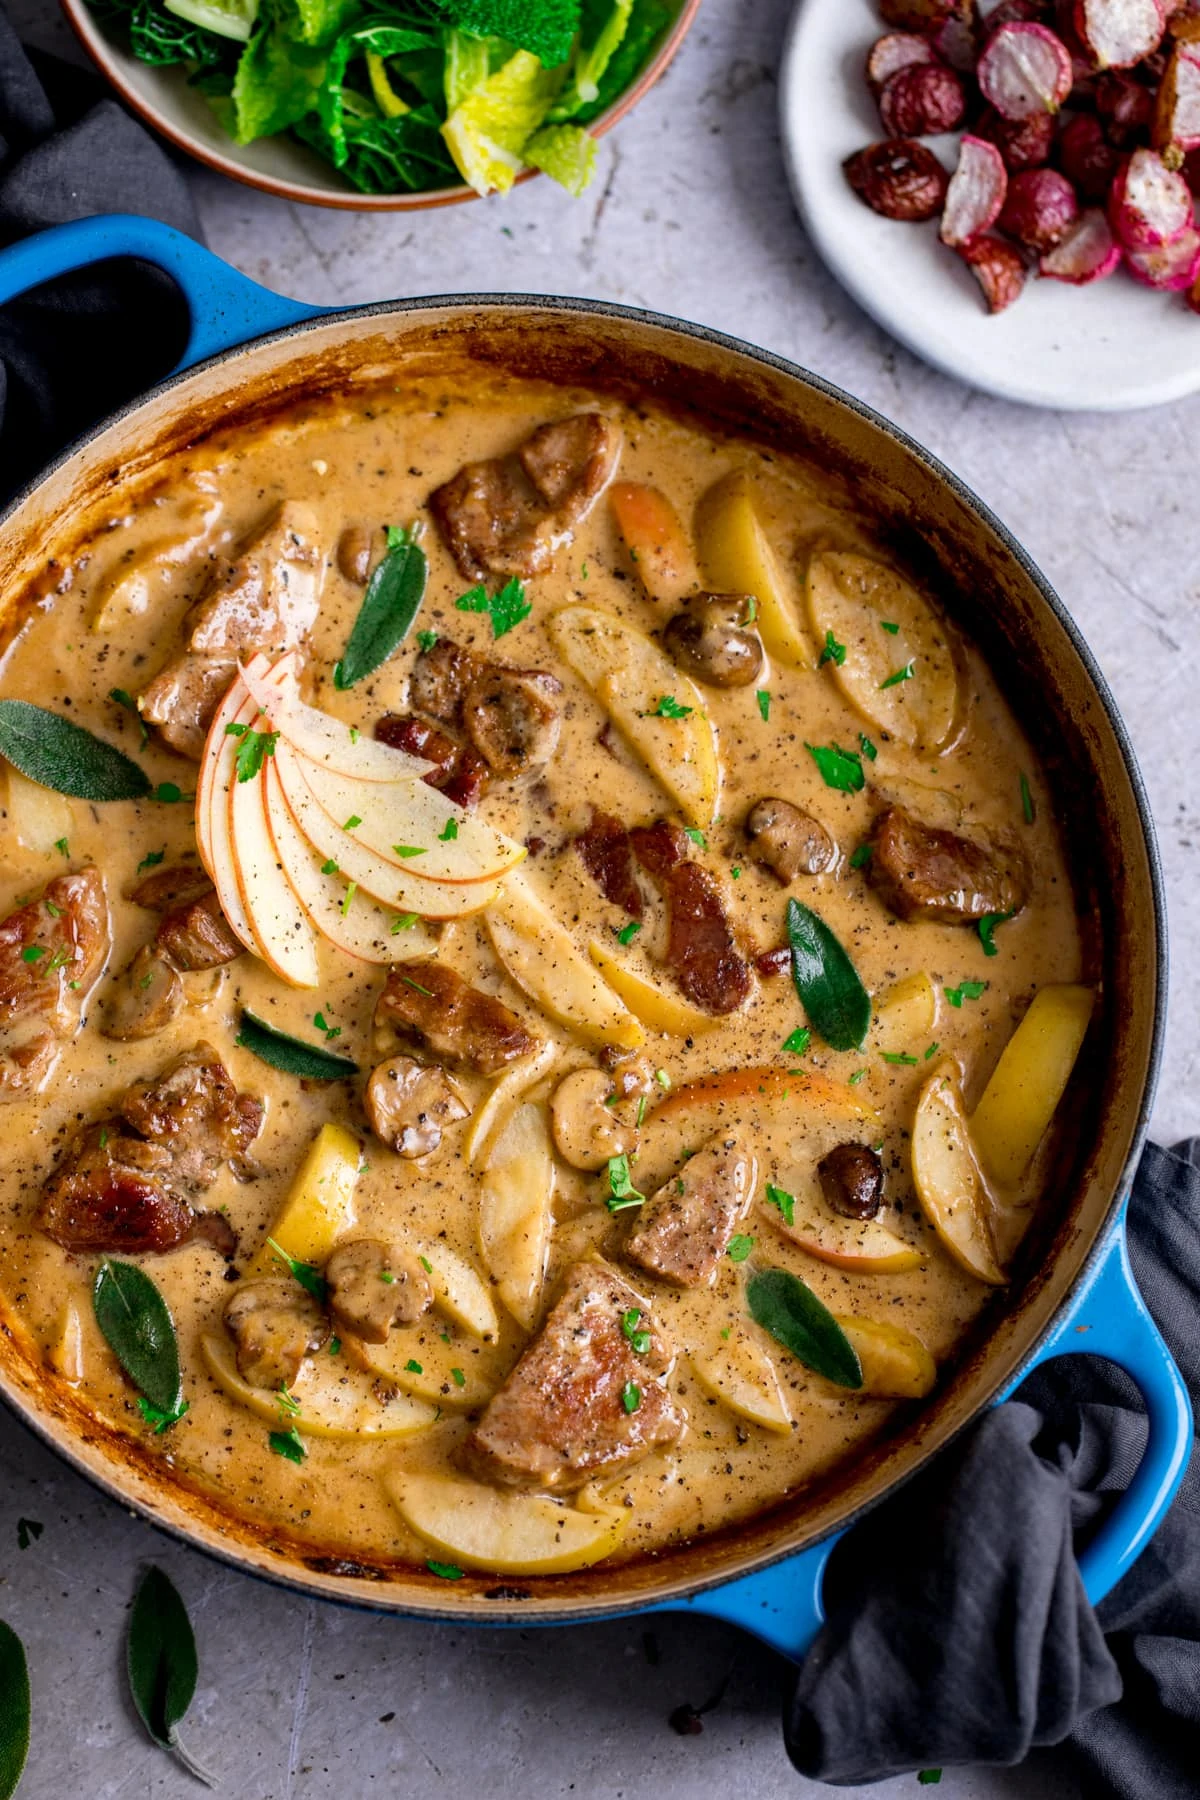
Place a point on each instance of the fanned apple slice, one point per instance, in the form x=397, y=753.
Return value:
x=283, y=937
x=503, y=1533
x=656, y=1009
x=324, y=740
x=902, y=680
x=540, y=956
x=738, y=559
x=353, y=923
x=458, y=1290
x=416, y=816
x=658, y=708
x=213, y=839
x=384, y=881
x=895, y=1363
x=515, y=1217
x=738, y=1372
x=947, y=1179
x=336, y=1401
x=319, y=1208
x=414, y=1358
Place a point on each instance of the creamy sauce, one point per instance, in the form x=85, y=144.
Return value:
x=376, y=463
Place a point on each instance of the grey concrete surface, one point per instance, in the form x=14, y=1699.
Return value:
x=297, y=1701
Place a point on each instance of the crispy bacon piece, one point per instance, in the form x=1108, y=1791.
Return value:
x=459, y=772
x=53, y=950
x=607, y=854
x=562, y=1416
x=920, y=871
x=701, y=951
x=454, y=1019
x=509, y=718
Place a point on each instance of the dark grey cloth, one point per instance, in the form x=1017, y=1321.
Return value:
x=958, y=1630
x=80, y=346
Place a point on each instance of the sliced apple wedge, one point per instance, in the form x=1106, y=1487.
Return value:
x=656, y=1009
x=895, y=1363
x=336, y=1401
x=632, y=680
x=458, y=1290
x=738, y=1372
x=283, y=936
x=655, y=539
x=504, y=1534
x=540, y=955
x=737, y=558
x=886, y=627
x=517, y=1080
x=1030, y=1079
x=449, y=1374
x=319, y=1207
x=342, y=749
x=905, y=1015
x=863, y=1246
x=515, y=1217
x=37, y=817
x=947, y=1179
x=412, y=814
x=352, y=923
x=384, y=881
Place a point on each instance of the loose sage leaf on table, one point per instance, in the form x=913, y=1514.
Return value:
x=160, y=1656
x=14, y=1710
x=390, y=604
x=827, y=982
x=62, y=755
x=782, y=1304
x=140, y=1331
x=291, y=1054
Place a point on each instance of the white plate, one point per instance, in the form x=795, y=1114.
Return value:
x=1108, y=347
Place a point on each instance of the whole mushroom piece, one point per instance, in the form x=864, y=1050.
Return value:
x=373, y=1286
x=588, y=1131
x=274, y=1326
x=710, y=640
x=788, y=841
x=409, y=1105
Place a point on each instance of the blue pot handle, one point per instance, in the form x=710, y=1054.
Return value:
x=226, y=308
x=1106, y=1316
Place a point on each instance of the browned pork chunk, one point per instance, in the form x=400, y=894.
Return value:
x=53, y=950
x=512, y=514
x=920, y=871
x=607, y=854
x=683, y=1230
x=197, y=936
x=144, y=999
x=127, y=1183
x=513, y=719
x=702, y=953
x=265, y=599
x=451, y=1017
x=373, y=1286
x=274, y=1325
x=588, y=1394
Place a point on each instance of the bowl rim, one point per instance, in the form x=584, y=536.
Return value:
x=93, y=41
x=671, y=1590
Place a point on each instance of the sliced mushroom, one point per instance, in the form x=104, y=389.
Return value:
x=373, y=1286
x=587, y=1130
x=145, y=999
x=788, y=841
x=274, y=1326
x=409, y=1105
x=354, y=550
x=851, y=1178
x=513, y=718
x=710, y=640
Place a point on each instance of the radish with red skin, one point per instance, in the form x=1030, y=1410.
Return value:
x=1024, y=69
x=1087, y=252
x=1019, y=12
x=957, y=43
x=1117, y=34
x=1148, y=204
x=1023, y=143
x=1125, y=109
x=1088, y=160
x=922, y=100
x=1171, y=267
x=998, y=267
x=923, y=15
x=1041, y=207
x=897, y=50
x=1177, y=115
x=976, y=193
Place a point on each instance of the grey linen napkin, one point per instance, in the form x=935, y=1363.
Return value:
x=78, y=348
x=958, y=1630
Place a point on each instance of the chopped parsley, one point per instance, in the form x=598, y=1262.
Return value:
x=631, y=1396
x=890, y=626
x=152, y=860
x=899, y=675
x=833, y=652
x=861, y=857
x=798, y=1041
x=932, y=1050
x=637, y=1339
x=425, y=1264
x=405, y=849
x=740, y=1247
x=736, y=872
x=33, y=953
x=867, y=747
x=621, y=1191
x=1028, y=811
x=628, y=932
x=351, y=890
x=696, y=835
x=352, y=823
x=662, y=1078
x=62, y=846
x=253, y=749
x=987, y=926
x=310, y=1278
x=335, y=1345
x=404, y=922
x=130, y=704
x=506, y=608
x=841, y=769
x=751, y=609
x=162, y=1418
x=763, y=696
x=458, y=1378
x=857, y=1077
x=288, y=1403
x=969, y=990
x=329, y=866
x=449, y=833
x=784, y=1202
x=322, y=1024
x=899, y=1056
x=288, y=1444
x=413, y=1366
x=445, y=1571
x=668, y=707
x=427, y=639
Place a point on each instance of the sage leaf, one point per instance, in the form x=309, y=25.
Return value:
x=14, y=1710
x=140, y=1332
x=61, y=755
x=389, y=607
x=789, y=1310
x=160, y=1658
x=291, y=1054
x=837, y=1003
